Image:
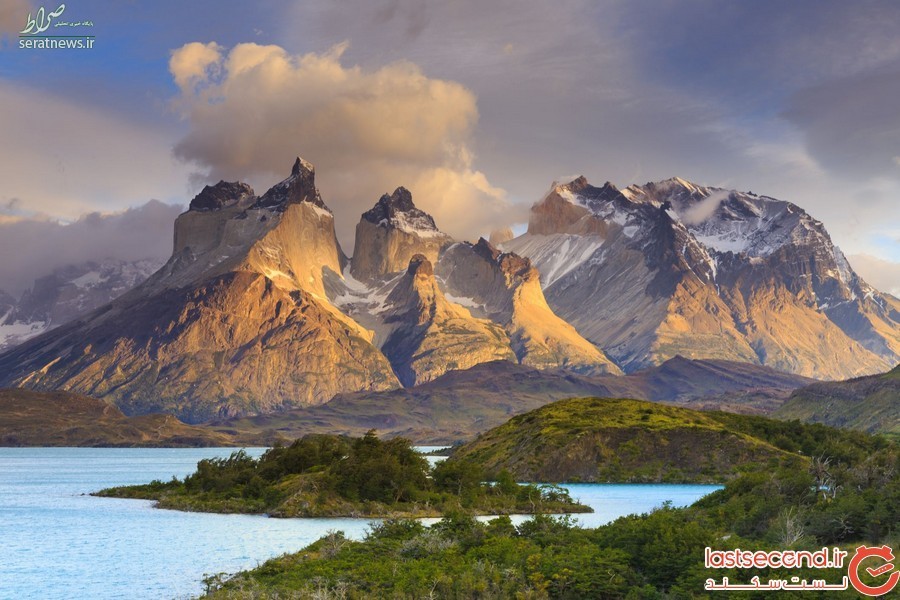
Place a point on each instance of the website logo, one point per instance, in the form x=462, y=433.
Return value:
x=876, y=561
x=41, y=23
x=33, y=35
x=876, y=570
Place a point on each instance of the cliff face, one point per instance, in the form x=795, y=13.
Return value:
x=391, y=233
x=237, y=322
x=507, y=288
x=430, y=335
x=672, y=268
x=483, y=305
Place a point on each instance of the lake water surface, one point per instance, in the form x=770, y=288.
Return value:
x=58, y=542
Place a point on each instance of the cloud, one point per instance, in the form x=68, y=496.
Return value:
x=701, y=211
x=851, y=125
x=191, y=63
x=883, y=274
x=367, y=131
x=41, y=245
x=64, y=159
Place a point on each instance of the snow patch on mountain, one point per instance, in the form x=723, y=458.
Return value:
x=415, y=222
x=15, y=332
x=554, y=255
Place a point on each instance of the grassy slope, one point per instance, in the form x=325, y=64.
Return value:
x=594, y=439
x=29, y=418
x=870, y=404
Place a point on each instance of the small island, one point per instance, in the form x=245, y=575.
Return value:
x=335, y=476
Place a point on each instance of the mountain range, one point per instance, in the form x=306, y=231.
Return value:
x=259, y=309
x=673, y=268
x=67, y=293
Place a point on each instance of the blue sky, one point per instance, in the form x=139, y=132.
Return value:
x=795, y=100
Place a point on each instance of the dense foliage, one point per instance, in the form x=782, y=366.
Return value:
x=847, y=493
x=322, y=475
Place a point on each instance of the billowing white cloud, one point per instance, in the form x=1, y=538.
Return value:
x=190, y=63
x=41, y=245
x=252, y=109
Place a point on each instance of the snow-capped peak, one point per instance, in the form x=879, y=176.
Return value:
x=398, y=211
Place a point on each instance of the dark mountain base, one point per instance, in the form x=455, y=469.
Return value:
x=29, y=418
x=461, y=404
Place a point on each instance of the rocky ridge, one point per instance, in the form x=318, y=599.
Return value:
x=672, y=268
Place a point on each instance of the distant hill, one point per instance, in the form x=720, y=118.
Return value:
x=602, y=439
x=870, y=404
x=460, y=404
x=29, y=418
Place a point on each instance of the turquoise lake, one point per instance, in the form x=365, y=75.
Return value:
x=58, y=542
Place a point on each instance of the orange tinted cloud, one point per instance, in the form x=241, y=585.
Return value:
x=253, y=108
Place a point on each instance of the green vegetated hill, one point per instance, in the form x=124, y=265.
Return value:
x=29, y=418
x=842, y=491
x=869, y=404
x=332, y=476
x=601, y=439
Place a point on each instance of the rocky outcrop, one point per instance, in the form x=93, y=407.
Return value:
x=430, y=335
x=391, y=233
x=214, y=197
x=506, y=287
x=299, y=187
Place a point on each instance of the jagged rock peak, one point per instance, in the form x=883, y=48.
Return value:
x=667, y=185
x=398, y=210
x=301, y=166
x=419, y=265
x=214, y=197
x=580, y=191
x=487, y=250
x=575, y=186
x=300, y=186
x=510, y=263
